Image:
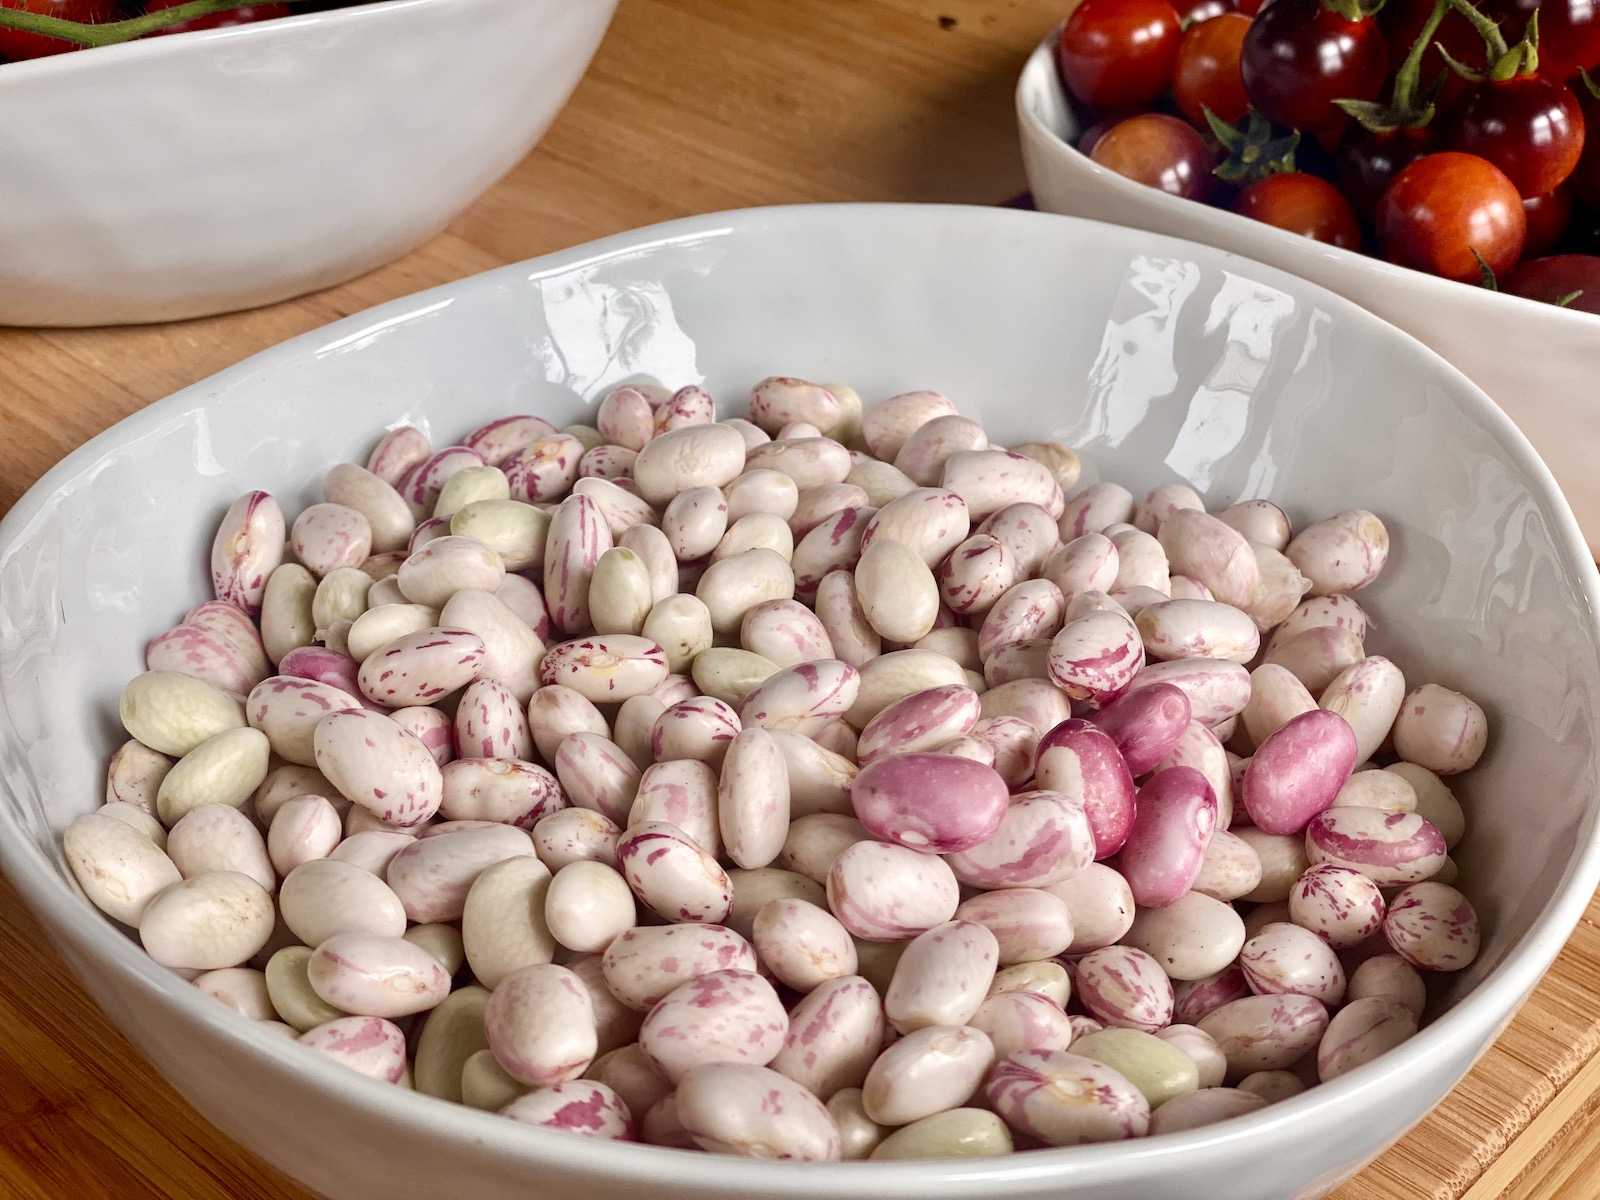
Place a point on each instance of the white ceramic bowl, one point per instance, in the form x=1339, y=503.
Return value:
x=210, y=171
x=1539, y=362
x=1160, y=359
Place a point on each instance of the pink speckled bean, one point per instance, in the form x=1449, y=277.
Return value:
x=1441, y=730
x=1028, y=532
x=1085, y=564
x=578, y=536
x=798, y=695
x=421, y=485
x=447, y=565
x=1206, y=549
x=647, y=962
x=1029, y=924
x=247, y=548
x=724, y=1016
x=1342, y=553
x=1217, y=690
x=673, y=875
x=886, y=893
x=1360, y=1032
x=596, y=773
x=785, y=632
x=1259, y=521
x=1433, y=926
x=1266, y=1033
x=427, y=531
x=422, y=667
x=1316, y=612
x=990, y=480
x=1100, y=904
x=288, y=709
x=931, y=521
x=570, y=835
x=753, y=799
x=834, y=545
x=701, y=729
x=200, y=652
x=624, y=417
x=580, y=1106
x=1341, y=906
x=540, y=1025
x=1317, y=656
x=1018, y=660
x=942, y=977
x=1080, y=760
x=544, y=469
x=1390, y=976
x=1125, y=988
x=1175, y=816
x=1285, y=958
x=681, y=792
x=1199, y=748
x=606, y=669
x=1368, y=695
x=932, y=803
x=739, y=1109
x=326, y=537
x=929, y=446
x=1296, y=773
x=1197, y=629
x=379, y=766
x=885, y=426
x=976, y=574
x=508, y=791
x=303, y=830
x=929, y=1070
x=851, y=638
x=555, y=711
x=695, y=521
x=490, y=723
x=781, y=400
x=370, y=1045
x=816, y=504
x=688, y=406
x=1043, y=838
x=371, y=976
x=1033, y=608
x=499, y=439
x=1231, y=868
x=834, y=1036
x=1064, y=1099
x=1094, y=658
x=607, y=462
x=921, y=721
x=1206, y=1106
x=1391, y=849
x=1014, y=742
x=433, y=875
x=1094, y=508
x=1161, y=502
x=1023, y=1020
x=802, y=944
x=1196, y=998
x=398, y=453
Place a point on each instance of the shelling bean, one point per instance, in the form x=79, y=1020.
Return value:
x=1065, y=1099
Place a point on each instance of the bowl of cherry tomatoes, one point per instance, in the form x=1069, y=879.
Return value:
x=1436, y=161
x=262, y=152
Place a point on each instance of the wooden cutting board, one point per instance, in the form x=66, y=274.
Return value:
x=691, y=106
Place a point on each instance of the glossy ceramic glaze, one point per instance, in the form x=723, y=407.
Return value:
x=1161, y=360
x=228, y=168
x=1539, y=362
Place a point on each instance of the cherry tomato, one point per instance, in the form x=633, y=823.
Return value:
x=1251, y=8
x=1160, y=152
x=1302, y=204
x=1298, y=58
x=1192, y=12
x=1207, y=72
x=1403, y=20
x=234, y=16
x=1090, y=137
x=1445, y=206
x=1529, y=126
x=1569, y=32
x=1547, y=220
x=1555, y=278
x=16, y=44
x=1118, y=54
x=1368, y=162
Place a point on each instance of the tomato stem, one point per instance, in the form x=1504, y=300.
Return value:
x=1408, y=108
x=1485, y=272
x=112, y=32
x=1353, y=10
x=1505, y=62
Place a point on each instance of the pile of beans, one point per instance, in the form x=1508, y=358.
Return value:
x=824, y=784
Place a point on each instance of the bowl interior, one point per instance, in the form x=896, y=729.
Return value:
x=1159, y=360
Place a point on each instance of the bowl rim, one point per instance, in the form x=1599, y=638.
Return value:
x=1473, y=1022
x=1039, y=75
x=26, y=69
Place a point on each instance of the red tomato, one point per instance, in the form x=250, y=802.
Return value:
x=1119, y=53
x=1299, y=58
x=1530, y=126
x=1192, y=12
x=16, y=44
x=1207, y=72
x=1547, y=220
x=1160, y=152
x=1554, y=279
x=1569, y=31
x=1368, y=162
x=234, y=16
x=1445, y=206
x=1302, y=204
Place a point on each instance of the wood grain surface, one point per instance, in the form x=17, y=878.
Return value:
x=691, y=106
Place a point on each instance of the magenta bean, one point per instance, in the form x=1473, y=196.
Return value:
x=1125, y=987
x=1390, y=849
x=1064, y=1099
x=934, y=803
x=1094, y=658
x=1296, y=773
x=1174, y=818
x=922, y=721
x=1082, y=761
x=1043, y=838
x=1145, y=725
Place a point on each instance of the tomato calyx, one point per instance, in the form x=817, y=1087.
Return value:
x=1409, y=106
x=1490, y=283
x=1354, y=10
x=1255, y=148
x=1589, y=84
x=1505, y=62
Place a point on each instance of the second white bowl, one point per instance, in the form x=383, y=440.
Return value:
x=1539, y=362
